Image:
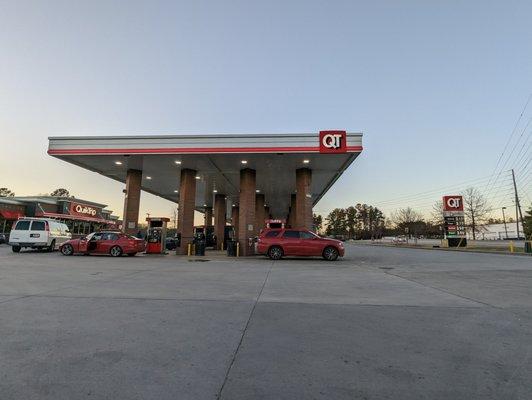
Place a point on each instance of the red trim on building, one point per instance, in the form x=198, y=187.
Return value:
x=8, y=214
x=76, y=217
x=196, y=150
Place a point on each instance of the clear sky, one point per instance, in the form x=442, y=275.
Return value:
x=436, y=87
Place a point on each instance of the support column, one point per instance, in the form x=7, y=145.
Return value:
x=208, y=216
x=267, y=212
x=132, y=201
x=246, y=217
x=303, y=198
x=187, y=203
x=292, y=215
x=220, y=208
x=260, y=213
x=234, y=220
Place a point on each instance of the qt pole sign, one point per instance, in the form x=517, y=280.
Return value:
x=453, y=216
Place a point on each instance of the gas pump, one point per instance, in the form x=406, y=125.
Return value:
x=156, y=235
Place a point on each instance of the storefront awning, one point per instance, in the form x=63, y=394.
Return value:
x=9, y=214
x=77, y=218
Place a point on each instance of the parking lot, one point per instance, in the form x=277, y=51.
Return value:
x=382, y=323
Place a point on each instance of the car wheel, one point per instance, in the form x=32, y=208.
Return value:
x=116, y=251
x=330, y=254
x=275, y=253
x=15, y=249
x=51, y=248
x=67, y=250
x=132, y=254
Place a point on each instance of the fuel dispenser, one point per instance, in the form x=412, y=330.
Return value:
x=156, y=235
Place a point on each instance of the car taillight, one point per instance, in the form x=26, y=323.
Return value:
x=46, y=226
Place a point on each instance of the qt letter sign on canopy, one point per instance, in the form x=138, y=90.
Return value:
x=453, y=203
x=333, y=142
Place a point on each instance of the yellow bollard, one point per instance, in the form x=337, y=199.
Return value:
x=237, y=249
x=188, y=251
x=511, y=247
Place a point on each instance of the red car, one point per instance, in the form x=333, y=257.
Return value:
x=113, y=243
x=276, y=243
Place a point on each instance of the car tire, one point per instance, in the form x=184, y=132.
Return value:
x=115, y=251
x=67, y=250
x=51, y=248
x=330, y=253
x=132, y=254
x=15, y=249
x=275, y=253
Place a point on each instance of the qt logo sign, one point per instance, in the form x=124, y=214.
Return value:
x=333, y=142
x=453, y=203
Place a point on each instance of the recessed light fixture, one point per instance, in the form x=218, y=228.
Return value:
x=148, y=178
x=177, y=162
x=306, y=161
x=176, y=191
x=265, y=205
x=118, y=162
x=244, y=161
x=215, y=191
x=234, y=205
x=198, y=177
x=205, y=205
x=257, y=191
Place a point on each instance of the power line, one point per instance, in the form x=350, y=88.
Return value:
x=511, y=136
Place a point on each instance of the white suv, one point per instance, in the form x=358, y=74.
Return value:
x=38, y=233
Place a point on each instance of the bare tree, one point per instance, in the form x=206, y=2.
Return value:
x=436, y=214
x=5, y=192
x=405, y=216
x=475, y=209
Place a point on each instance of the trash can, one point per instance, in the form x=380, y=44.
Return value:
x=199, y=244
x=528, y=247
x=231, y=248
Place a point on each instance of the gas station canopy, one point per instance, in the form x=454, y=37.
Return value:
x=217, y=159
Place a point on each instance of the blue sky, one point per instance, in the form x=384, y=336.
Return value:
x=436, y=87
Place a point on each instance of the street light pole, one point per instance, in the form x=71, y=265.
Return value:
x=504, y=220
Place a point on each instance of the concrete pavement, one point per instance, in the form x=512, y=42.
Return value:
x=381, y=323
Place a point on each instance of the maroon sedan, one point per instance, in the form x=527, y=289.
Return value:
x=276, y=243
x=113, y=243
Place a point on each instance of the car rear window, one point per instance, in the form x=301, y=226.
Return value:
x=38, y=226
x=271, y=234
x=22, y=226
x=291, y=234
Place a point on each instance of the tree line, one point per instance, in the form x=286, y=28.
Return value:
x=60, y=192
x=364, y=221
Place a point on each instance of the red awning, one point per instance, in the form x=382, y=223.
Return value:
x=9, y=214
x=77, y=218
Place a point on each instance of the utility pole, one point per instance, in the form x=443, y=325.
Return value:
x=504, y=221
x=518, y=212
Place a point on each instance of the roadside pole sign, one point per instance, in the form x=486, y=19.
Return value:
x=453, y=216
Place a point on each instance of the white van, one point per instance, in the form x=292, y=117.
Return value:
x=38, y=233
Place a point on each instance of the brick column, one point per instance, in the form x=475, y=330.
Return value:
x=187, y=203
x=208, y=216
x=132, y=201
x=234, y=220
x=303, y=198
x=260, y=213
x=220, y=208
x=246, y=217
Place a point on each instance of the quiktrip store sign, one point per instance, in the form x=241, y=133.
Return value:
x=83, y=210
